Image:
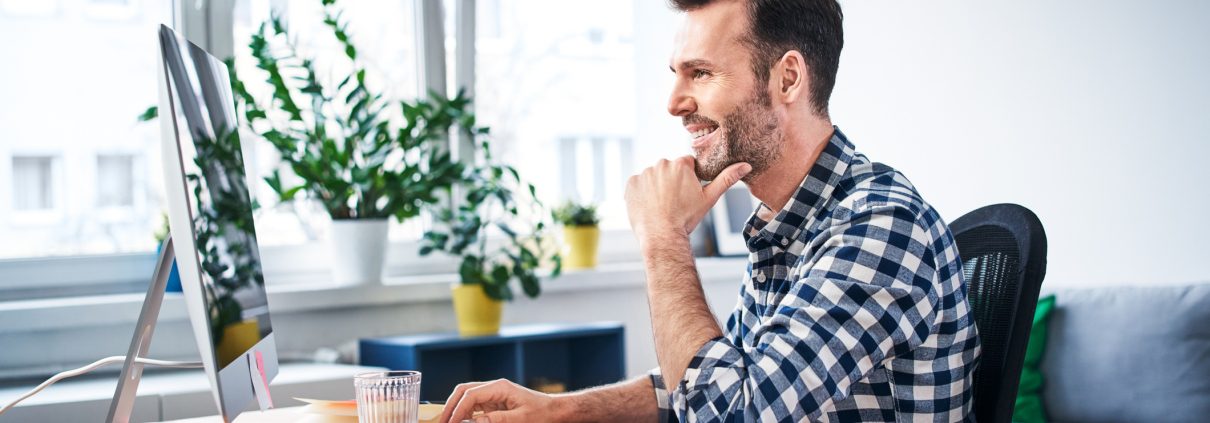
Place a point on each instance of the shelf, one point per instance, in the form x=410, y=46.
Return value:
x=578, y=356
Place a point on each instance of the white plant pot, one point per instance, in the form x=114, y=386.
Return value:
x=358, y=249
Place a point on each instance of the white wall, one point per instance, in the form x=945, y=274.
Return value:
x=1094, y=114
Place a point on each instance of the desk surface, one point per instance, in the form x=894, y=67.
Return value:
x=289, y=414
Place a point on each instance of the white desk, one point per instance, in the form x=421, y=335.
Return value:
x=282, y=415
x=292, y=415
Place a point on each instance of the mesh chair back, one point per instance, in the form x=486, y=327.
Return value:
x=1003, y=251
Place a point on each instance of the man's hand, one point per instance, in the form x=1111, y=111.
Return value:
x=501, y=401
x=668, y=200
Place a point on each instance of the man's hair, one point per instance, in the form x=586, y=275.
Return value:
x=813, y=27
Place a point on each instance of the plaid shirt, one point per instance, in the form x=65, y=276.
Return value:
x=853, y=308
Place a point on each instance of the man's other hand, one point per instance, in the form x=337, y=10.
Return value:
x=668, y=199
x=501, y=401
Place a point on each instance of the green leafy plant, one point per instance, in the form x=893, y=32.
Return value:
x=576, y=214
x=360, y=155
x=495, y=197
x=339, y=138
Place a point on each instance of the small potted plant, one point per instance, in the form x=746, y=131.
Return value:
x=581, y=234
x=493, y=200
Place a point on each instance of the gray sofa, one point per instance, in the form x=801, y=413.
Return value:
x=1129, y=354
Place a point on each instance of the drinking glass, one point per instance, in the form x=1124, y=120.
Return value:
x=388, y=397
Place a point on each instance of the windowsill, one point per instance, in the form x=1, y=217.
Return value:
x=123, y=309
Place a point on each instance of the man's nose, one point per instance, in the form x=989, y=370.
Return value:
x=680, y=104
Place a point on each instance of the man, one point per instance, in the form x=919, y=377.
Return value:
x=853, y=307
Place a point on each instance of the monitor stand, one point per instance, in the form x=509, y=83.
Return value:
x=260, y=380
x=124, y=395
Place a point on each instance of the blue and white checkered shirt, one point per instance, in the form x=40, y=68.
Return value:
x=853, y=308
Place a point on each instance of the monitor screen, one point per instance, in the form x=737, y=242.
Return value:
x=210, y=213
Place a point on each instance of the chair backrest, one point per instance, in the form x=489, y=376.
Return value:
x=1003, y=251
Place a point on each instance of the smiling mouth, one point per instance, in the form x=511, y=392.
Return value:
x=701, y=134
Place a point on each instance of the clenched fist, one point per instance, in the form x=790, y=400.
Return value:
x=667, y=199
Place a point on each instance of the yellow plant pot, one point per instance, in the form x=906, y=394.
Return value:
x=237, y=339
x=581, y=246
x=477, y=313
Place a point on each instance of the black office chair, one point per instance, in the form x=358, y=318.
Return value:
x=1003, y=251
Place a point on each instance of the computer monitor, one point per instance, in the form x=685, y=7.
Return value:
x=210, y=215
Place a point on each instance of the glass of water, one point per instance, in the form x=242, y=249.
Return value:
x=388, y=397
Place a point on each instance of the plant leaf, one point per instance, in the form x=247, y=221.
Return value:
x=149, y=114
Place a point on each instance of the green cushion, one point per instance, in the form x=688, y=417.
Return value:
x=1029, y=407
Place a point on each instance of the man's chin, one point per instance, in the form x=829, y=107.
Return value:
x=708, y=171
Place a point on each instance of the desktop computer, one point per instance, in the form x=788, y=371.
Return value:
x=213, y=235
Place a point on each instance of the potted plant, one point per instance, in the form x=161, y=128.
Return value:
x=364, y=158
x=581, y=234
x=492, y=199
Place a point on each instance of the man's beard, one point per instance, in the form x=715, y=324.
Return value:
x=750, y=135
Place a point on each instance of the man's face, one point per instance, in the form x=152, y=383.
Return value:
x=725, y=109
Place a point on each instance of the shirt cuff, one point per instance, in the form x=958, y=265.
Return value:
x=663, y=398
x=717, y=352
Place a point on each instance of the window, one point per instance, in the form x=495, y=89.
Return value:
x=33, y=183
x=556, y=82
x=591, y=168
x=115, y=180
x=559, y=96
x=77, y=76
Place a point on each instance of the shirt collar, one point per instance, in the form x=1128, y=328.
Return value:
x=805, y=204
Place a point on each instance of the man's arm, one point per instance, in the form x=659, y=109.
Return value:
x=505, y=402
x=630, y=401
x=665, y=202
x=680, y=318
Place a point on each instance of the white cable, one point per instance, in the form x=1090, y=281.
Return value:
x=117, y=359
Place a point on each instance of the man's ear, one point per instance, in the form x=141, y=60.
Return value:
x=790, y=75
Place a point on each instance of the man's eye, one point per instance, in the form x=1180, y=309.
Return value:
x=699, y=74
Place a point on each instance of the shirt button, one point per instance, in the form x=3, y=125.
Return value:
x=760, y=277
x=785, y=241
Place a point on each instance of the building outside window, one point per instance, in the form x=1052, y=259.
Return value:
x=115, y=180
x=33, y=183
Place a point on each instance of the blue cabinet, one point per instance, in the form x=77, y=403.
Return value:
x=576, y=355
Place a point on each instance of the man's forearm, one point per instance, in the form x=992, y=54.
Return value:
x=629, y=401
x=680, y=319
